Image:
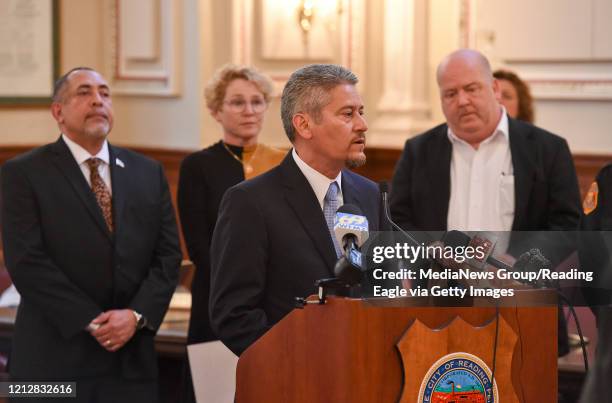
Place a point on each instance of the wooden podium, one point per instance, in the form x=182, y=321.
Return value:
x=350, y=350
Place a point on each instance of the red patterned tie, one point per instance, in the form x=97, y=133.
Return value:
x=101, y=192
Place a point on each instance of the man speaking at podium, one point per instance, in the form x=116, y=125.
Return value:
x=274, y=237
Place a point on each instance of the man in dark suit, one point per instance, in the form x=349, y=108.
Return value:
x=535, y=181
x=545, y=184
x=483, y=171
x=273, y=239
x=91, y=244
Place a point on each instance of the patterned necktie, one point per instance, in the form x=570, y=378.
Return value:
x=100, y=191
x=330, y=206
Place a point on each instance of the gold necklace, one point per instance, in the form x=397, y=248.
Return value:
x=248, y=168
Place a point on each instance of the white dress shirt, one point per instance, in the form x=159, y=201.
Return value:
x=319, y=182
x=81, y=156
x=482, y=182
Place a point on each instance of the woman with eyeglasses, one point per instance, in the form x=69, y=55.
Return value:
x=237, y=97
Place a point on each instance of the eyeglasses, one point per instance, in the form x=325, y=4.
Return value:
x=239, y=105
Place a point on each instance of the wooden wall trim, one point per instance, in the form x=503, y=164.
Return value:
x=587, y=167
x=380, y=165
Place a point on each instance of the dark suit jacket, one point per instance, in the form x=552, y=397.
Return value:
x=205, y=176
x=546, y=190
x=270, y=245
x=596, y=244
x=69, y=268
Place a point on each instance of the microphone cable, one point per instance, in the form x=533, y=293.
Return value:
x=578, y=329
x=535, y=255
x=495, y=345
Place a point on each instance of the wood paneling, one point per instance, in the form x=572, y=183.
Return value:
x=380, y=165
x=587, y=166
x=314, y=354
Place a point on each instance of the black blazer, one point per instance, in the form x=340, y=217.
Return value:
x=596, y=241
x=204, y=177
x=596, y=244
x=546, y=188
x=69, y=268
x=270, y=245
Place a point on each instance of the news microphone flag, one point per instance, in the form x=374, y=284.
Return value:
x=356, y=225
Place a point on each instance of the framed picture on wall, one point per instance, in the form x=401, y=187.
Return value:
x=29, y=51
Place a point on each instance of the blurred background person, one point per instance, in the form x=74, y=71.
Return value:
x=515, y=96
x=237, y=97
x=596, y=242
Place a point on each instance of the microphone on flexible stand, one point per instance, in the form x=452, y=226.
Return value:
x=530, y=261
x=383, y=187
x=456, y=238
x=533, y=261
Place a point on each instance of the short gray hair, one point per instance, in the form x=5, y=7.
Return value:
x=61, y=82
x=307, y=90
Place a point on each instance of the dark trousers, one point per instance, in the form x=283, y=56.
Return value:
x=597, y=385
x=186, y=391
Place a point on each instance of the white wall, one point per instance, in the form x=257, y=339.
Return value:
x=587, y=125
x=159, y=122
x=169, y=121
x=562, y=48
x=572, y=80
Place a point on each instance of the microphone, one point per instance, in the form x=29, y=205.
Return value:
x=456, y=238
x=530, y=261
x=533, y=261
x=351, y=230
x=383, y=187
x=350, y=226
